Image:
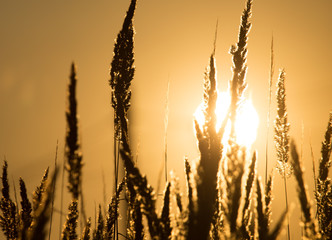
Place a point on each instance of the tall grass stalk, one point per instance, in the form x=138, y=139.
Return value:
x=239, y=54
x=324, y=186
x=8, y=219
x=166, y=128
x=165, y=214
x=164, y=165
x=246, y=213
x=25, y=213
x=215, y=39
x=38, y=193
x=189, y=182
x=268, y=197
x=135, y=228
x=210, y=147
x=269, y=108
x=309, y=225
x=235, y=160
x=54, y=183
x=146, y=193
x=63, y=169
x=281, y=137
x=301, y=158
x=69, y=231
x=15, y=196
x=113, y=213
x=73, y=154
x=122, y=73
x=313, y=166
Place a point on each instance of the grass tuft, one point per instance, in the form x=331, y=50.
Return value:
x=9, y=219
x=69, y=231
x=42, y=215
x=86, y=231
x=25, y=214
x=324, y=187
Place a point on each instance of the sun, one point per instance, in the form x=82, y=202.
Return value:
x=246, y=123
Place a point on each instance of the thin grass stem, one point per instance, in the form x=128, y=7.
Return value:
x=286, y=202
x=115, y=172
x=15, y=197
x=166, y=128
x=61, y=198
x=53, y=189
x=269, y=109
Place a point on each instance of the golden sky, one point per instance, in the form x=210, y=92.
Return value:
x=173, y=42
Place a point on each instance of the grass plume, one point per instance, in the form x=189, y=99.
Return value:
x=38, y=193
x=86, y=230
x=281, y=137
x=73, y=154
x=42, y=214
x=25, y=214
x=210, y=147
x=69, y=231
x=122, y=73
x=282, y=129
x=239, y=54
x=165, y=214
x=8, y=218
x=324, y=186
x=268, y=198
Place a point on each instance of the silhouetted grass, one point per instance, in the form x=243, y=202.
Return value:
x=324, y=185
x=224, y=198
x=309, y=223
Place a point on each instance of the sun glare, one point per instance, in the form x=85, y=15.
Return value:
x=246, y=123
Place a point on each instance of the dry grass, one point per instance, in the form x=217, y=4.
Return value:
x=225, y=197
x=324, y=185
x=281, y=138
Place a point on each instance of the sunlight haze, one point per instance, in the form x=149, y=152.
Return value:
x=173, y=42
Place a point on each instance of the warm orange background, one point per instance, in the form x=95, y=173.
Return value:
x=40, y=39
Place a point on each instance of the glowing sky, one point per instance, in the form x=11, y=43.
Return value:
x=173, y=42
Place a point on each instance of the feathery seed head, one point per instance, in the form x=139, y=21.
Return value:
x=281, y=128
x=122, y=73
x=74, y=156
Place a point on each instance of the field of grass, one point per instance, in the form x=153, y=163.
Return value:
x=224, y=197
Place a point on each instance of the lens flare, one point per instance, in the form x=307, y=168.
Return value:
x=246, y=123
